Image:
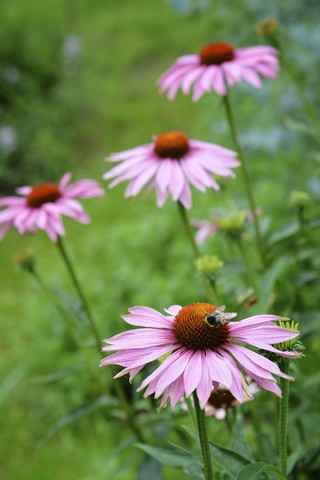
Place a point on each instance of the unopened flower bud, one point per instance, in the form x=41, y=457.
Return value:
x=299, y=199
x=25, y=260
x=267, y=26
x=232, y=224
x=289, y=345
x=208, y=264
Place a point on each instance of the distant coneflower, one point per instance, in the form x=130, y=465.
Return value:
x=202, y=349
x=41, y=207
x=169, y=164
x=217, y=66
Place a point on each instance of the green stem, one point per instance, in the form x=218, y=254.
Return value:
x=130, y=418
x=203, y=437
x=191, y=409
x=69, y=326
x=58, y=306
x=209, y=286
x=246, y=260
x=245, y=175
x=80, y=293
x=283, y=418
x=308, y=107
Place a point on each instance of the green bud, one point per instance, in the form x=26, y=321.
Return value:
x=267, y=26
x=208, y=264
x=289, y=345
x=232, y=222
x=25, y=260
x=299, y=199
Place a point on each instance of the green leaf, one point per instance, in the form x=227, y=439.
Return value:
x=231, y=461
x=252, y=470
x=298, y=126
x=11, y=382
x=149, y=468
x=174, y=457
x=58, y=375
x=288, y=231
x=239, y=444
x=292, y=460
x=267, y=282
x=100, y=402
x=72, y=305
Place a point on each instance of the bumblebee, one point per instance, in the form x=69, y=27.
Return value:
x=215, y=318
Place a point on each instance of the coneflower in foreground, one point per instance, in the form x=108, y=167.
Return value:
x=203, y=349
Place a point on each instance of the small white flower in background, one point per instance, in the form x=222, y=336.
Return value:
x=12, y=74
x=8, y=138
x=71, y=47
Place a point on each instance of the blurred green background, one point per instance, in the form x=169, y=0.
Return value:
x=77, y=82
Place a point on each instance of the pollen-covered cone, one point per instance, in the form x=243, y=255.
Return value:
x=203, y=349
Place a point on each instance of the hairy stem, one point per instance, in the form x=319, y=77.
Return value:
x=203, y=437
x=209, y=286
x=283, y=418
x=79, y=291
x=245, y=175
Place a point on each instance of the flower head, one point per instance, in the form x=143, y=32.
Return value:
x=40, y=207
x=221, y=400
x=169, y=164
x=217, y=66
x=268, y=26
x=232, y=225
x=202, y=349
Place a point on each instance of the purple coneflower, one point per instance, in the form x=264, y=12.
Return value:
x=202, y=348
x=40, y=207
x=169, y=164
x=221, y=400
x=217, y=66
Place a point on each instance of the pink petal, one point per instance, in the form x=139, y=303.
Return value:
x=150, y=321
x=218, y=368
x=219, y=83
x=64, y=181
x=168, y=362
x=266, y=385
x=164, y=174
x=173, y=310
x=251, y=77
x=190, y=78
x=192, y=373
x=131, y=152
x=143, y=178
x=185, y=197
x=242, y=353
x=204, y=388
x=177, y=181
x=172, y=373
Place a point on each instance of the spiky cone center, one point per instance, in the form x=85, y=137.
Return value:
x=192, y=329
x=43, y=193
x=216, y=53
x=171, y=145
x=221, y=398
